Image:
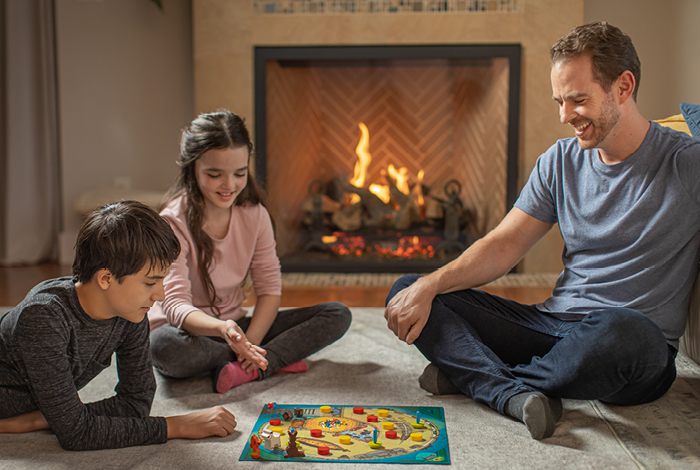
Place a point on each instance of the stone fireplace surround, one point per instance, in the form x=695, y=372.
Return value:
x=226, y=32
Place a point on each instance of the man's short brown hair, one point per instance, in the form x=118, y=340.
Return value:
x=611, y=52
x=123, y=237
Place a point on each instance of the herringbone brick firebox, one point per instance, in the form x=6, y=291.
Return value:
x=440, y=124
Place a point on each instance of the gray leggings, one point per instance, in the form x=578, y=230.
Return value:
x=294, y=335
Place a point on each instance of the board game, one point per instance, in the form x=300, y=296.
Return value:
x=332, y=433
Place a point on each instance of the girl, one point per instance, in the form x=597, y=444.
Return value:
x=225, y=231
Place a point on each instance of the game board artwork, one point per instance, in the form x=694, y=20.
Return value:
x=388, y=434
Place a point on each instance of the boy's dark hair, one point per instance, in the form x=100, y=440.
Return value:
x=123, y=237
x=611, y=52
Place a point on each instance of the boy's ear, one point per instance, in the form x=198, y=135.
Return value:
x=104, y=278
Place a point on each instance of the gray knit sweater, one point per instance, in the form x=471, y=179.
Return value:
x=50, y=348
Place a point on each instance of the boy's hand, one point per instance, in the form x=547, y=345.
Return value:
x=217, y=421
x=244, y=349
x=28, y=422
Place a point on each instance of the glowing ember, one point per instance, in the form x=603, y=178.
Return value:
x=402, y=247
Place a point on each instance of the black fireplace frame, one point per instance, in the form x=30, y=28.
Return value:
x=314, y=55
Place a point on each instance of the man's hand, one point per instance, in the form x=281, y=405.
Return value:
x=408, y=311
x=244, y=349
x=28, y=422
x=217, y=421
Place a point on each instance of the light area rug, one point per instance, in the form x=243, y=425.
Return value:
x=369, y=366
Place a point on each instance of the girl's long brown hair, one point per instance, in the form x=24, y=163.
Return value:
x=219, y=130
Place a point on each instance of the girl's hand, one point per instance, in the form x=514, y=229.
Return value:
x=246, y=365
x=243, y=348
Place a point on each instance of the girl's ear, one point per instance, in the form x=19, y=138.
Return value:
x=104, y=278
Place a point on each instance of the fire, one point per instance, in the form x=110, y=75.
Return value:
x=418, y=190
x=364, y=158
x=383, y=192
x=401, y=178
x=403, y=247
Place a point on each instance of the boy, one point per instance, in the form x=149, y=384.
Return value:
x=65, y=331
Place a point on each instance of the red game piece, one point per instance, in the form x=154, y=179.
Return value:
x=372, y=419
x=324, y=450
x=390, y=434
x=316, y=433
x=255, y=442
x=358, y=410
x=275, y=422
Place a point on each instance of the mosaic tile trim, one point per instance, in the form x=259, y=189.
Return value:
x=271, y=7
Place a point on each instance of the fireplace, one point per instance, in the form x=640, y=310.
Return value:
x=385, y=158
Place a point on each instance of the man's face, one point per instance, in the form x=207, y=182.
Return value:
x=135, y=294
x=583, y=103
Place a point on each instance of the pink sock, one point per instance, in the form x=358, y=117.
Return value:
x=232, y=375
x=295, y=368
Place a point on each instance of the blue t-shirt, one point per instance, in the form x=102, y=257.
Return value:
x=631, y=230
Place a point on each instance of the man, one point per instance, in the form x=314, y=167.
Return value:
x=65, y=331
x=626, y=195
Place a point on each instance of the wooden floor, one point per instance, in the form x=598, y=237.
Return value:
x=17, y=281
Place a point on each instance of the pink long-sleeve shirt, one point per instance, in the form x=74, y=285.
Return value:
x=249, y=243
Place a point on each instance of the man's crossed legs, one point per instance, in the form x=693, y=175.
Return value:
x=521, y=361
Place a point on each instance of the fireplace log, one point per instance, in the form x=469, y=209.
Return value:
x=349, y=218
x=328, y=205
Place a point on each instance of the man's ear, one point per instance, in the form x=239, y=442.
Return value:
x=104, y=278
x=624, y=86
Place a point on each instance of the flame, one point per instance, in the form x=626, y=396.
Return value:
x=364, y=158
x=418, y=190
x=381, y=191
x=329, y=239
x=401, y=177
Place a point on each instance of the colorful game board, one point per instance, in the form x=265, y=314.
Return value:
x=386, y=434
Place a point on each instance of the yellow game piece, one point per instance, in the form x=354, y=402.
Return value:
x=420, y=425
x=387, y=425
x=325, y=409
x=344, y=439
x=375, y=445
x=416, y=436
x=276, y=429
x=383, y=413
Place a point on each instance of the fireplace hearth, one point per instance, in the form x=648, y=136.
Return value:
x=386, y=158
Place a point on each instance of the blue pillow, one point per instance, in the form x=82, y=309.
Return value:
x=691, y=114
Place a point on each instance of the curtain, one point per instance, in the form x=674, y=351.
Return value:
x=29, y=150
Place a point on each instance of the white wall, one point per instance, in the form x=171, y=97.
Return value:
x=667, y=38
x=125, y=93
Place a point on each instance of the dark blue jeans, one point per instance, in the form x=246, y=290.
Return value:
x=493, y=348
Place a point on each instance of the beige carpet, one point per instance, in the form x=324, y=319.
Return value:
x=369, y=366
